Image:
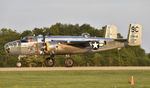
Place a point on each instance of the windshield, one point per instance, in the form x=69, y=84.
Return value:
x=28, y=39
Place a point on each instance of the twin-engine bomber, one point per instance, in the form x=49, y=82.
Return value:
x=69, y=45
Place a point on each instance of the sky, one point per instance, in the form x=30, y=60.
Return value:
x=21, y=15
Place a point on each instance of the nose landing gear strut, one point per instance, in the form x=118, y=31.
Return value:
x=18, y=63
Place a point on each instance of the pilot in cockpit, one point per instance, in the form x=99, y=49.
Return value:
x=31, y=40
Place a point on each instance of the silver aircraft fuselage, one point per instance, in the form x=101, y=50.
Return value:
x=62, y=45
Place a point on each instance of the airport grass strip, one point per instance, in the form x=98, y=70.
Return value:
x=75, y=79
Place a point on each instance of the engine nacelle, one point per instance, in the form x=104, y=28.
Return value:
x=51, y=47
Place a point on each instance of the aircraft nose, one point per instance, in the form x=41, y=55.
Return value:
x=7, y=48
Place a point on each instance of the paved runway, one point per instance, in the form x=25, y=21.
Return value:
x=74, y=68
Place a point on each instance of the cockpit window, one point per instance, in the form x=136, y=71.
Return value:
x=7, y=46
x=24, y=39
x=18, y=41
x=10, y=44
x=29, y=39
x=14, y=43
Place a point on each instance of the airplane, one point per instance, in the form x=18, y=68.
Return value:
x=70, y=45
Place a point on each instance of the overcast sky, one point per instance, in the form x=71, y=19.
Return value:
x=27, y=14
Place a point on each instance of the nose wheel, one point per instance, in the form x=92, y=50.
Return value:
x=49, y=62
x=18, y=64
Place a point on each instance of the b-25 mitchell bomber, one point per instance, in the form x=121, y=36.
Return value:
x=69, y=45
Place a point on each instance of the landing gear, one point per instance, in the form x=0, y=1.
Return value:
x=18, y=64
x=69, y=62
x=49, y=62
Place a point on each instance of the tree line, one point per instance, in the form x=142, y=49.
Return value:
x=130, y=56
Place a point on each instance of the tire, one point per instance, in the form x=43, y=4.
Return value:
x=69, y=62
x=49, y=62
x=18, y=64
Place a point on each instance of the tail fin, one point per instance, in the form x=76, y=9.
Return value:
x=135, y=35
x=111, y=31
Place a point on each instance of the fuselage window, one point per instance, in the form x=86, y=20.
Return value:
x=7, y=46
x=24, y=40
x=14, y=43
x=18, y=43
x=10, y=44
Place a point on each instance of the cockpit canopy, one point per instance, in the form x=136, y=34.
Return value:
x=29, y=39
x=86, y=35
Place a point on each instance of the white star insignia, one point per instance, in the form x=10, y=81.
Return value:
x=95, y=45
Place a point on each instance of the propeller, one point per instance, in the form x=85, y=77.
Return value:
x=43, y=41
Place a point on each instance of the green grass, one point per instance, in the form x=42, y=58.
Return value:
x=74, y=79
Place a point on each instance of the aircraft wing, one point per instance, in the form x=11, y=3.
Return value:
x=120, y=40
x=74, y=43
x=84, y=42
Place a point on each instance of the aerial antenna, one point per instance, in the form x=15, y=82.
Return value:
x=43, y=41
x=43, y=36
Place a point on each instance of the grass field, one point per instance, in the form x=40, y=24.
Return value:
x=74, y=79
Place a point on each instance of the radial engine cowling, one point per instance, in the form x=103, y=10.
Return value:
x=51, y=47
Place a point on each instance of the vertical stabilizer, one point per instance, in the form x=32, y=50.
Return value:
x=111, y=31
x=135, y=35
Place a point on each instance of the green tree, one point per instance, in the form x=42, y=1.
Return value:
x=26, y=33
x=131, y=56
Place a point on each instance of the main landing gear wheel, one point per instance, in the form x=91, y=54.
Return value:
x=49, y=62
x=69, y=62
x=18, y=64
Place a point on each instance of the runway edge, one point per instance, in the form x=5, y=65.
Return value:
x=74, y=68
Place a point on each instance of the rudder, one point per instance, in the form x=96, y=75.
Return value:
x=111, y=31
x=134, y=35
